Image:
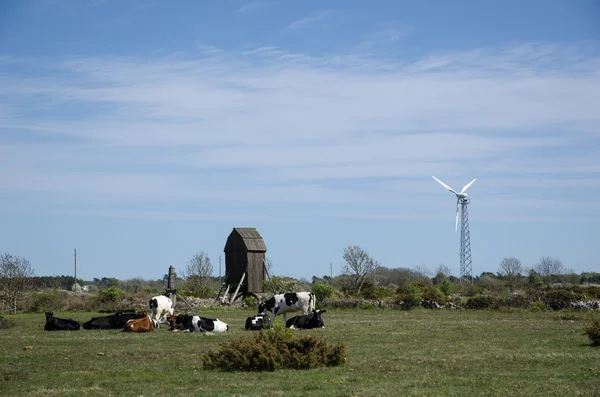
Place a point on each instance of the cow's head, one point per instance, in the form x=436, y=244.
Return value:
x=317, y=320
x=269, y=304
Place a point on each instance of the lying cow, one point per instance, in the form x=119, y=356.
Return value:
x=288, y=302
x=199, y=324
x=160, y=307
x=310, y=321
x=143, y=324
x=116, y=321
x=60, y=324
x=258, y=322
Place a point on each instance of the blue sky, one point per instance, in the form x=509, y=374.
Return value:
x=141, y=132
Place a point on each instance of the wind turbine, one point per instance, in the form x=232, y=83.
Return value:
x=465, y=237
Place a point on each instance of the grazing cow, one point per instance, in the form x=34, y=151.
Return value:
x=59, y=324
x=160, y=307
x=116, y=321
x=289, y=302
x=310, y=321
x=143, y=324
x=200, y=324
x=258, y=322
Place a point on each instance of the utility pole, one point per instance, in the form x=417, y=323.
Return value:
x=330, y=271
x=75, y=263
x=220, y=278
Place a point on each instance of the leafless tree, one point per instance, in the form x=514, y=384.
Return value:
x=547, y=267
x=510, y=268
x=359, y=265
x=199, y=271
x=443, y=270
x=16, y=278
x=420, y=273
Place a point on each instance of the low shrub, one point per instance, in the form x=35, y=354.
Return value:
x=559, y=299
x=274, y=349
x=517, y=301
x=592, y=330
x=46, y=301
x=482, y=302
x=110, y=295
x=434, y=294
x=6, y=323
x=322, y=291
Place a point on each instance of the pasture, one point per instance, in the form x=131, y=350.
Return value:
x=389, y=352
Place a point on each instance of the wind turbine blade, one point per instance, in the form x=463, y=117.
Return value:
x=456, y=226
x=444, y=185
x=467, y=185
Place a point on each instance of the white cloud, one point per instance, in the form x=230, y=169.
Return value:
x=271, y=125
x=301, y=23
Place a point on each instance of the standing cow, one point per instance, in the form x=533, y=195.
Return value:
x=160, y=307
x=288, y=302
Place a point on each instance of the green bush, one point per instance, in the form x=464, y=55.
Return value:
x=274, y=349
x=559, y=299
x=110, y=295
x=377, y=292
x=409, y=297
x=446, y=287
x=517, y=301
x=482, y=302
x=433, y=293
x=322, y=291
x=5, y=323
x=592, y=330
x=46, y=301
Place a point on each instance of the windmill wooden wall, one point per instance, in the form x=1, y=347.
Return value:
x=245, y=252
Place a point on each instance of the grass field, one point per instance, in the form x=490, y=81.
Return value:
x=389, y=353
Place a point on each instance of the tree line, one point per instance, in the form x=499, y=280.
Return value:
x=361, y=275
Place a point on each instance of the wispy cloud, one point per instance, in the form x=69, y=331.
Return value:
x=271, y=126
x=301, y=23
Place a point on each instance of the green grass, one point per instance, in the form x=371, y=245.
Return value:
x=389, y=353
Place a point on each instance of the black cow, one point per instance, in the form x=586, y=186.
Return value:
x=258, y=322
x=60, y=324
x=116, y=321
x=199, y=324
x=310, y=321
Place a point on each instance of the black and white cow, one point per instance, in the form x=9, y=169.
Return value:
x=288, y=302
x=199, y=324
x=60, y=324
x=115, y=321
x=258, y=322
x=310, y=321
x=160, y=307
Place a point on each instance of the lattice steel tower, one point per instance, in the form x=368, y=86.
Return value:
x=466, y=265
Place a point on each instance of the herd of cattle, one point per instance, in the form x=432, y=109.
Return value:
x=162, y=312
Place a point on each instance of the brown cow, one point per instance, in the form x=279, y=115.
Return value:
x=171, y=318
x=144, y=324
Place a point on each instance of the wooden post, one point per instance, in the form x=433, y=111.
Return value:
x=238, y=288
x=171, y=291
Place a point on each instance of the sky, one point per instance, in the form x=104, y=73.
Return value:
x=142, y=132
